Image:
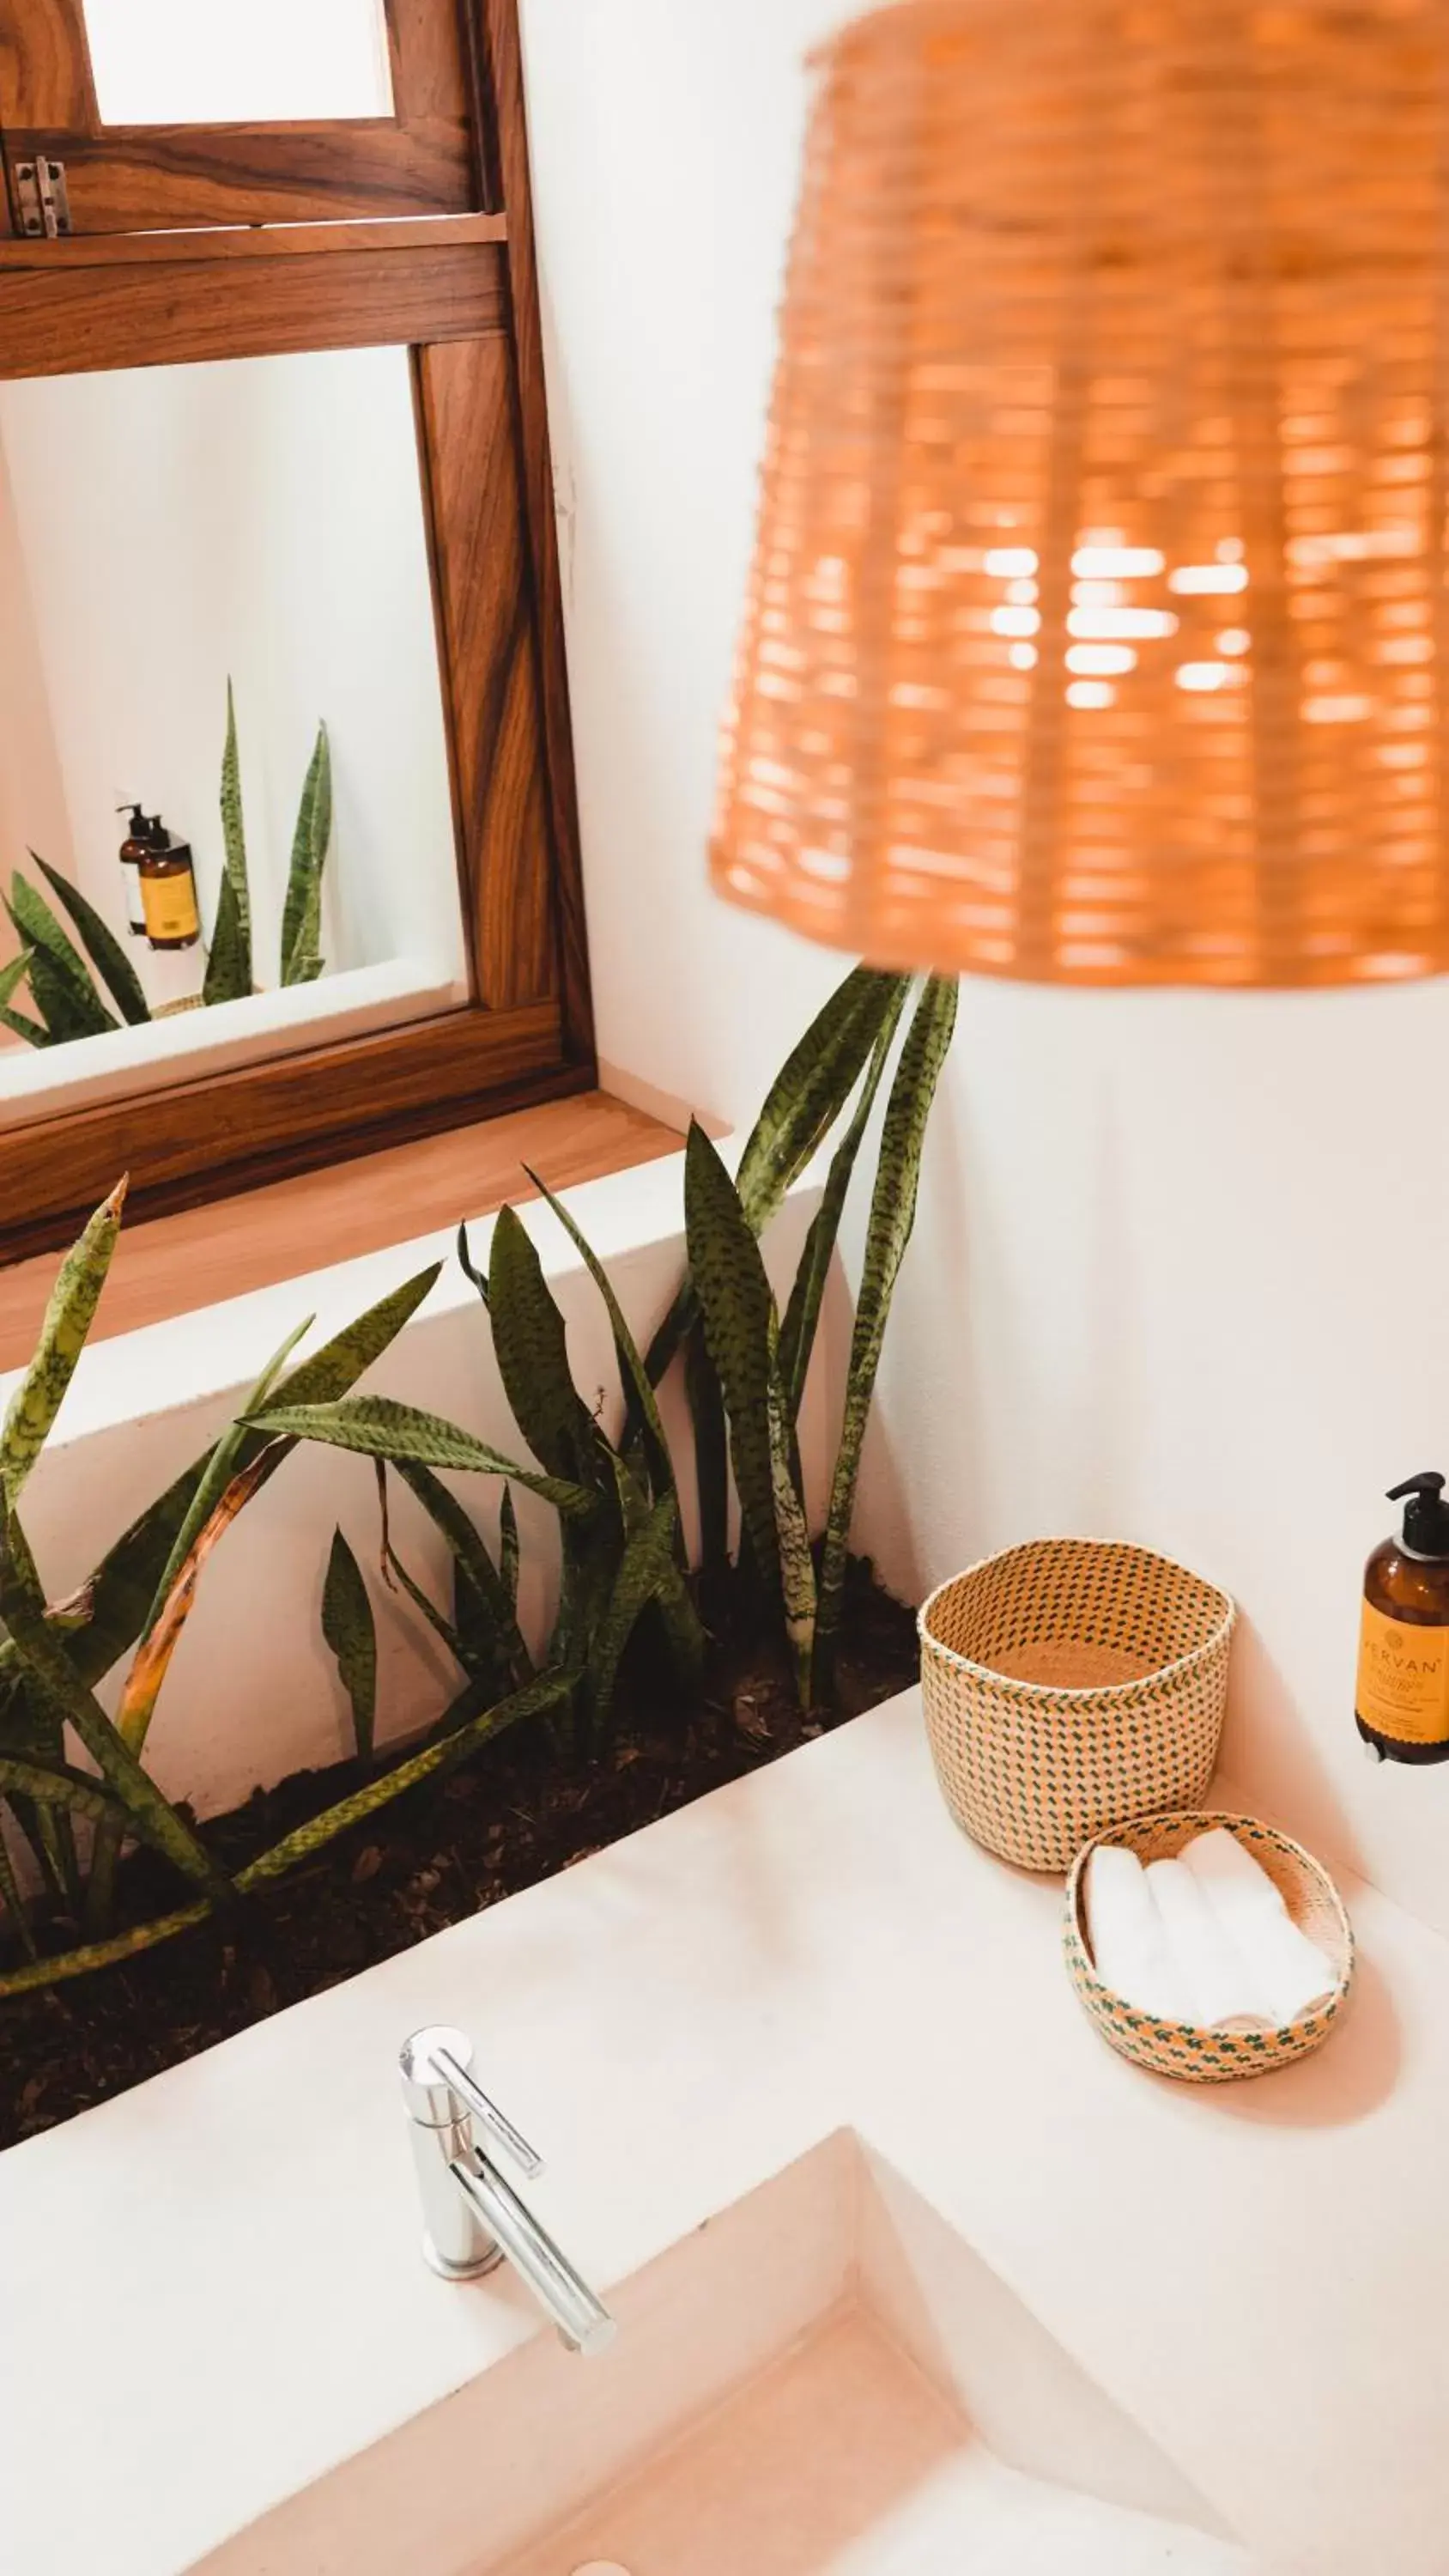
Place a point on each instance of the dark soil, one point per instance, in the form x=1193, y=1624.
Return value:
x=515, y=1814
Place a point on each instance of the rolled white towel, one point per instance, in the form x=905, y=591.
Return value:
x=1219, y=1978
x=1289, y=1972
x=1128, y=1943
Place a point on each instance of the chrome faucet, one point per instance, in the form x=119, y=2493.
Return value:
x=471, y=2216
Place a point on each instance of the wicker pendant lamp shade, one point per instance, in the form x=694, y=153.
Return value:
x=1097, y=623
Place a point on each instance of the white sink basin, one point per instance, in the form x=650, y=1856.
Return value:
x=824, y=2381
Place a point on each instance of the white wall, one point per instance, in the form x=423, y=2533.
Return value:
x=1180, y=1263
x=260, y=518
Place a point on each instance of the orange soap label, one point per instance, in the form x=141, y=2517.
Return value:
x=1403, y=1679
x=169, y=904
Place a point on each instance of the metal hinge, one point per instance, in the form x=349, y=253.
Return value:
x=44, y=204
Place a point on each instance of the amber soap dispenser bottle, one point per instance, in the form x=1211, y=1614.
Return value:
x=1402, y=1702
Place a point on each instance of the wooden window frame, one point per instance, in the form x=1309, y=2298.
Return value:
x=460, y=291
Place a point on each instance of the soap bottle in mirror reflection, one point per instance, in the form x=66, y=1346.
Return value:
x=168, y=889
x=133, y=851
x=1402, y=1700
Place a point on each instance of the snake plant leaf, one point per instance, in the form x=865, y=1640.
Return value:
x=797, y=1565
x=892, y=1216
x=229, y=966
x=646, y=1566
x=351, y=1631
x=302, y=912
x=468, y=1265
x=508, y=1549
x=335, y=1369
x=110, y=1611
x=711, y=1453
x=228, y=975
x=45, y=1661
x=801, y=1106
x=12, y=976
x=61, y=982
x=802, y=1315
x=531, y=1347
x=442, y=1753
x=14, y=1903
x=107, y=955
x=734, y=1296
x=68, y=1319
x=40, y=1973
x=218, y=1472
x=812, y=1087
x=632, y=1371
x=492, y=1597
x=58, y=1785
x=374, y=1426
x=65, y=1015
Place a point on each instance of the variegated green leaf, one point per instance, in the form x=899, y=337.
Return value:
x=792, y=1529
x=112, y=964
x=302, y=911
x=531, y=1347
x=39, y=1973
x=441, y=1754
x=221, y=1467
x=468, y=1265
x=802, y=1105
x=61, y=981
x=374, y=1426
x=351, y=1632
x=646, y=1567
x=802, y=1315
x=631, y=1367
x=110, y=1611
x=508, y=1549
x=43, y=1658
x=493, y=1602
x=12, y=977
x=12, y=1900
x=229, y=958
x=892, y=1216
x=734, y=1296
x=711, y=1453
x=68, y=1319
x=812, y=1087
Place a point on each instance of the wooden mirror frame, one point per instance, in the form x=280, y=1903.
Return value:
x=459, y=290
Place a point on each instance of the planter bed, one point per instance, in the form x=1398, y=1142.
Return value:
x=515, y=1814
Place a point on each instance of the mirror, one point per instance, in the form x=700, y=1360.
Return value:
x=237, y=62
x=170, y=537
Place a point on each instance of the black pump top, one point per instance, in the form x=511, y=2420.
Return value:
x=1426, y=1515
x=138, y=827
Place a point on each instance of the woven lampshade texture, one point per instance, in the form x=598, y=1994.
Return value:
x=1097, y=620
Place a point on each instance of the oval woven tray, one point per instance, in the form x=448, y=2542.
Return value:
x=1174, y=2047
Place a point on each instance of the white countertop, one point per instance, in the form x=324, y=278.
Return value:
x=212, y=2292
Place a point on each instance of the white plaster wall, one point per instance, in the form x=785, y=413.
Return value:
x=1178, y=1270
x=260, y=518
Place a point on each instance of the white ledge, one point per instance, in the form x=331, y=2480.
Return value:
x=44, y=1082
x=213, y=2287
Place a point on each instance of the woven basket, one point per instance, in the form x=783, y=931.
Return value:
x=1070, y=1684
x=1175, y=2047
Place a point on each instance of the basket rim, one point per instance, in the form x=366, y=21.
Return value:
x=1205, y=1819
x=1078, y=1691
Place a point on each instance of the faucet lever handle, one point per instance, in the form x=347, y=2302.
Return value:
x=497, y=2123
x=436, y=2066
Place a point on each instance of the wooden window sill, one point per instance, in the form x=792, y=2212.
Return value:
x=173, y=1264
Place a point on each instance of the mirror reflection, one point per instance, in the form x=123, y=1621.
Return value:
x=237, y=62
x=223, y=752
